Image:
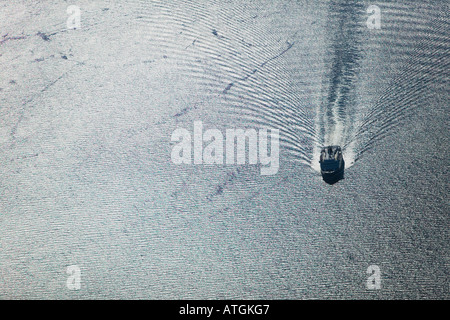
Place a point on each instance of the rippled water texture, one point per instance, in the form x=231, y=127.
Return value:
x=86, y=178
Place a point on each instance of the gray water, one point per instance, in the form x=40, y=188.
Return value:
x=86, y=177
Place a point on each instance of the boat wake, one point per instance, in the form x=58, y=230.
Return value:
x=344, y=118
x=316, y=86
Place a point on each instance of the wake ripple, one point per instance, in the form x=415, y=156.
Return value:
x=307, y=80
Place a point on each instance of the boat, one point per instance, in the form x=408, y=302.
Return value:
x=332, y=164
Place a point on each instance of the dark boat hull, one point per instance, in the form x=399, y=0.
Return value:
x=332, y=164
x=334, y=176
